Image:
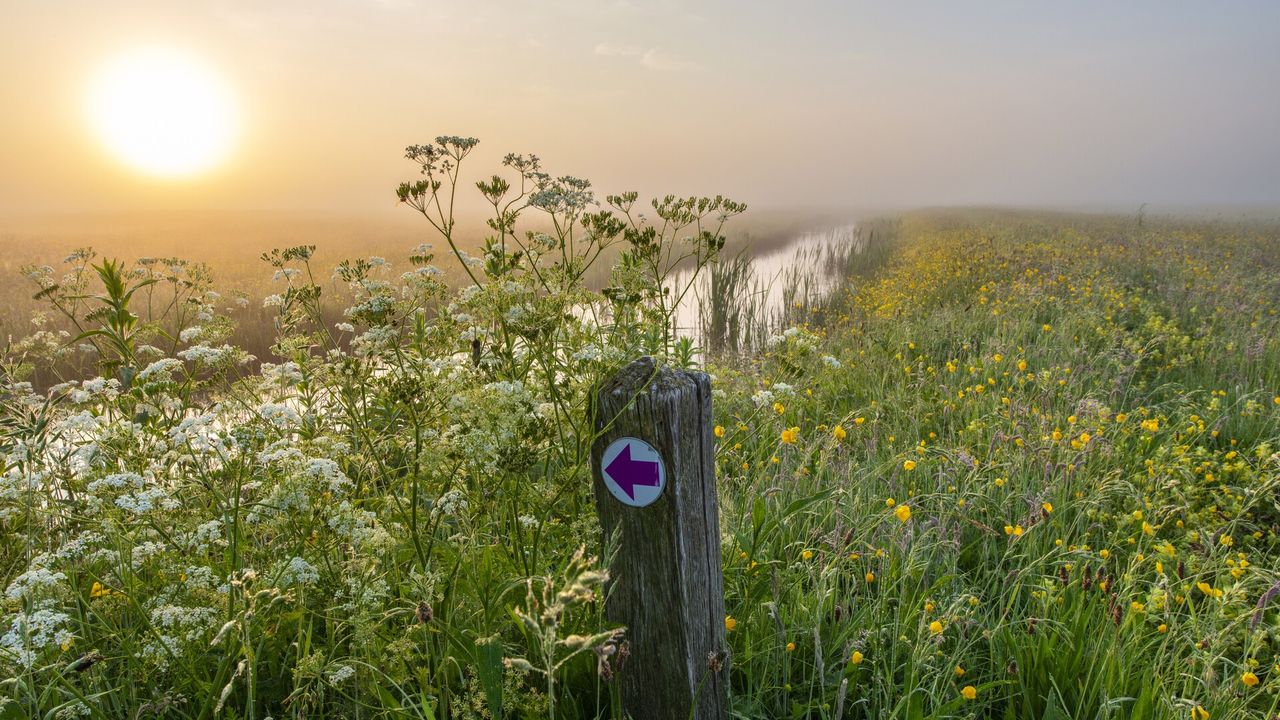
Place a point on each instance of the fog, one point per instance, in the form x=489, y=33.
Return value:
x=783, y=105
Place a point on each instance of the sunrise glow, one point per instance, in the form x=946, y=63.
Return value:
x=162, y=112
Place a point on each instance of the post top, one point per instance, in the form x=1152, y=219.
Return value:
x=645, y=370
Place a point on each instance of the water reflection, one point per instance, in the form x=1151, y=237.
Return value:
x=736, y=304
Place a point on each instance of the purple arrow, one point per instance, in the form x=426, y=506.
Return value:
x=628, y=473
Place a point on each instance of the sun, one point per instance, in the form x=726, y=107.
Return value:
x=163, y=112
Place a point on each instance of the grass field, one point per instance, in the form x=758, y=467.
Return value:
x=1035, y=458
x=1023, y=466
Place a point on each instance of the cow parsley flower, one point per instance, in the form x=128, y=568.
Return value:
x=33, y=583
x=30, y=632
x=328, y=472
x=299, y=572
x=282, y=417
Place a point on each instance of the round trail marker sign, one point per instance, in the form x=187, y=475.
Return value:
x=633, y=471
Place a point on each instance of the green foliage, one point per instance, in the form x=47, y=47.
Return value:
x=375, y=523
x=1081, y=423
x=1020, y=467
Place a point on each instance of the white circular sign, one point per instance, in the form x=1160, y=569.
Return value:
x=633, y=471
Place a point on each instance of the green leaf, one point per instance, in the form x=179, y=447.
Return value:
x=489, y=668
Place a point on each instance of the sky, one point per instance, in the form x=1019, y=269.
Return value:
x=795, y=103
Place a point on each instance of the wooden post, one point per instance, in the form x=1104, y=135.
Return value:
x=653, y=464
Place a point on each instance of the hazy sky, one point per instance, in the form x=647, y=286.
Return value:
x=775, y=102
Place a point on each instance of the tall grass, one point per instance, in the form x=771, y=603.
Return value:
x=1016, y=466
x=741, y=304
x=733, y=312
x=1012, y=481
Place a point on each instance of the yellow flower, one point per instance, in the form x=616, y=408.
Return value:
x=839, y=433
x=779, y=408
x=791, y=647
x=790, y=434
x=960, y=671
x=870, y=577
x=859, y=420
x=908, y=465
x=1226, y=541
x=806, y=555
x=890, y=502
x=1022, y=365
x=1199, y=713
x=730, y=623
x=66, y=644
x=719, y=431
x=935, y=628
x=1205, y=588
x=1249, y=679
x=1047, y=507
x=1162, y=629
x=1151, y=425
x=99, y=590
x=903, y=513
x=970, y=692
x=1121, y=417
x=1104, y=553
x=856, y=658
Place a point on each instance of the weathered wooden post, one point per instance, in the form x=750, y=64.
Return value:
x=654, y=478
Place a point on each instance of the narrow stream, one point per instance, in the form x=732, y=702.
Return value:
x=762, y=291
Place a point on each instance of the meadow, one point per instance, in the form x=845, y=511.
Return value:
x=1022, y=465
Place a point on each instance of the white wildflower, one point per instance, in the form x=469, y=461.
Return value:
x=159, y=370
x=299, y=572
x=34, y=583
x=282, y=417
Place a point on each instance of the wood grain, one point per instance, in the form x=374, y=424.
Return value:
x=666, y=583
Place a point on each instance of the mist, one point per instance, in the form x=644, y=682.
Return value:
x=798, y=105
